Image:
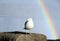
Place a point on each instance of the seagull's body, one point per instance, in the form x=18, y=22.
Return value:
x=29, y=24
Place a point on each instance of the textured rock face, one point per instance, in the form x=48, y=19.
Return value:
x=32, y=37
x=21, y=36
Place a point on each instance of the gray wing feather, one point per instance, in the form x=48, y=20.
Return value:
x=25, y=24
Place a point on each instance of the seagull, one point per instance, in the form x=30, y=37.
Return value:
x=29, y=24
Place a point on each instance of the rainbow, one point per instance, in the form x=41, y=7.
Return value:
x=48, y=19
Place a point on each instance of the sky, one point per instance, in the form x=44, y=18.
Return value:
x=13, y=14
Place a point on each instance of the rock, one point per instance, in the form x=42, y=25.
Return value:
x=21, y=36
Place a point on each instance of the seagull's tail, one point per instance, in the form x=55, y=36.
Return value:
x=25, y=28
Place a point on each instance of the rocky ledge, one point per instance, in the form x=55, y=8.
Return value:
x=21, y=36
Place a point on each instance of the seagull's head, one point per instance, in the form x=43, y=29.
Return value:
x=29, y=19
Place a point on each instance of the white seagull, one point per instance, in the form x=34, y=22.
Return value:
x=29, y=24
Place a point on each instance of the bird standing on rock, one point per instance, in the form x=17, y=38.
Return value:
x=29, y=24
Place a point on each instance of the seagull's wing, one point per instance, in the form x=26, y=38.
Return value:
x=25, y=24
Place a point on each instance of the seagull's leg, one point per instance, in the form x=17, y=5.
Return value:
x=26, y=35
x=29, y=32
x=26, y=32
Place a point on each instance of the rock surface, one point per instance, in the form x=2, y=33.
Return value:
x=21, y=36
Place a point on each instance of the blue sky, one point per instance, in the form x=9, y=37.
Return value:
x=13, y=14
